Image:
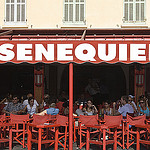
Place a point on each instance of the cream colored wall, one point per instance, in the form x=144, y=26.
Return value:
x=44, y=14
x=2, y=13
x=49, y=14
x=104, y=14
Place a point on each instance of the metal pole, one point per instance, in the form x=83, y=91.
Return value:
x=71, y=106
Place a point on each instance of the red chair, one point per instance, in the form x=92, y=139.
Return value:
x=131, y=131
x=19, y=128
x=115, y=131
x=39, y=131
x=63, y=130
x=82, y=130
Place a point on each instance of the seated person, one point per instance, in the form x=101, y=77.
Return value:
x=132, y=103
x=31, y=107
x=143, y=107
x=46, y=97
x=124, y=109
x=89, y=110
x=25, y=102
x=50, y=111
x=14, y=107
x=107, y=110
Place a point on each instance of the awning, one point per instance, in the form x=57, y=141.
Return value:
x=110, y=51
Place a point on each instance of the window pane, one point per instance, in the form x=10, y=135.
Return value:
x=82, y=12
x=18, y=1
x=71, y=12
x=66, y=12
x=23, y=1
x=66, y=0
x=7, y=1
x=12, y=1
x=12, y=12
x=137, y=12
x=7, y=12
x=70, y=0
x=77, y=0
x=126, y=12
x=18, y=12
x=130, y=12
x=23, y=13
x=142, y=12
x=81, y=0
x=77, y=12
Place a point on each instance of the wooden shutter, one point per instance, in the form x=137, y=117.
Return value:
x=142, y=11
x=126, y=11
x=130, y=11
x=82, y=12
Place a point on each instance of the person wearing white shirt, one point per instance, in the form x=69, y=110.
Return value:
x=31, y=107
x=25, y=102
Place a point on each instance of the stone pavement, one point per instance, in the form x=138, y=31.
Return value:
x=92, y=147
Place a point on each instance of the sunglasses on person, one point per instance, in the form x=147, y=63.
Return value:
x=141, y=102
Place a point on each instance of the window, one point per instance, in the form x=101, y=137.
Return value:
x=15, y=11
x=134, y=11
x=74, y=11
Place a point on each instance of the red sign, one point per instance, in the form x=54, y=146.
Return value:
x=75, y=51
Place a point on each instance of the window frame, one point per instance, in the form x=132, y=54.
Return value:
x=74, y=22
x=15, y=22
x=134, y=13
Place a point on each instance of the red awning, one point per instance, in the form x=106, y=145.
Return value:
x=78, y=51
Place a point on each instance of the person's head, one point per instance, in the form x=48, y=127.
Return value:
x=142, y=102
x=52, y=105
x=15, y=99
x=89, y=102
x=29, y=95
x=31, y=101
x=46, y=96
x=106, y=104
x=130, y=97
x=124, y=100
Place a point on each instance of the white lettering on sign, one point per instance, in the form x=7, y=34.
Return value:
x=48, y=53
x=89, y=52
x=111, y=52
x=23, y=51
x=136, y=50
x=123, y=52
x=6, y=53
x=63, y=50
x=82, y=52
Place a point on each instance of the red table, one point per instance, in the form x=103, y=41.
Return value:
x=138, y=135
x=40, y=127
x=4, y=139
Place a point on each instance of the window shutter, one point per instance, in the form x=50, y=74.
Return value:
x=126, y=11
x=12, y=12
x=66, y=12
x=23, y=12
x=130, y=11
x=7, y=12
x=18, y=12
x=82, y=12
x=137, y=12
x=142, y=12
x=77, y=12
x=70, y=12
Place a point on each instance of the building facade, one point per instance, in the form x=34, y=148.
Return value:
x=74, y=13
x=118, y=15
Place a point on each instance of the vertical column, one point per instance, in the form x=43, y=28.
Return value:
x=39, y=82
x=70, y=106
x=139, y=80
